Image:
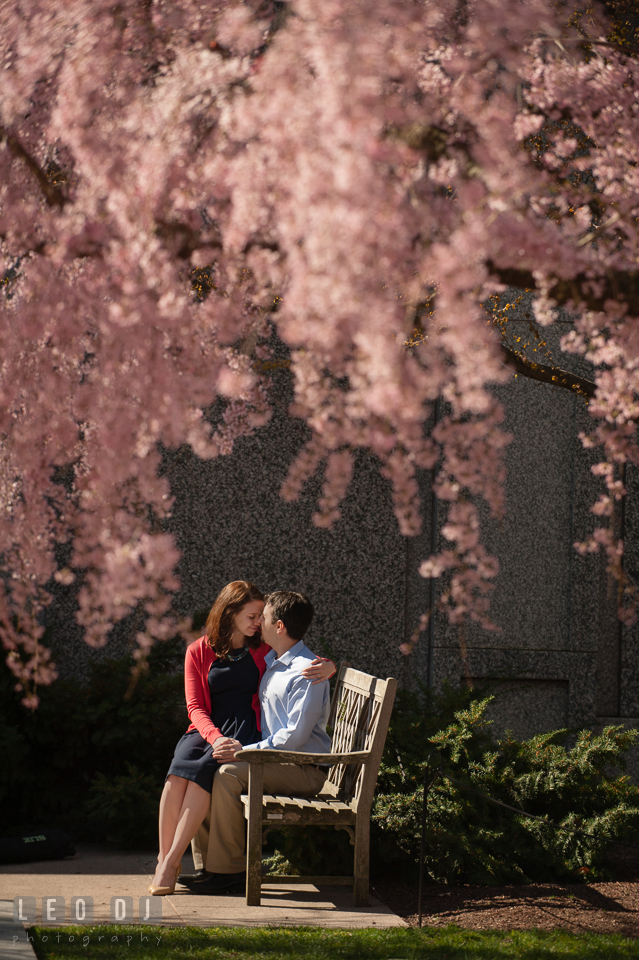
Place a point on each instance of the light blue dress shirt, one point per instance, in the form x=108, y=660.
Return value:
x=294, y=711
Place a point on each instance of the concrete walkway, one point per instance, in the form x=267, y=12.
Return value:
x=104, y=885
x=13, y=938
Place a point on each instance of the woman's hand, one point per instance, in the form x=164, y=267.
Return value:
x=225, y=748
x=319, y=670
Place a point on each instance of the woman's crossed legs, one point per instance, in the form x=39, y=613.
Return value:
x=183, y=807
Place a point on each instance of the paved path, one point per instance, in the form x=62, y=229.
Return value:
x=99, y=874
x=13, y=938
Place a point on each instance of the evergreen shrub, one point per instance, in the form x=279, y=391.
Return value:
x=91, y=760
x=124, y=807
x=468, y=839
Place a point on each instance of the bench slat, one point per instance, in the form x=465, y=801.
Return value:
x=364, y=683
x=315, y=881
x=304, y=803
x=323, y=805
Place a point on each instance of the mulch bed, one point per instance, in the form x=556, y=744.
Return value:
x=611, y=907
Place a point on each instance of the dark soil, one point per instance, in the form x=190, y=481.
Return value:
x=610, y=907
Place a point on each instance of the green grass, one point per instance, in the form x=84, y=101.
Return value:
x=286, y=943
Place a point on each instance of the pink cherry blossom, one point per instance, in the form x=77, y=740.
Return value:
x=179, y=182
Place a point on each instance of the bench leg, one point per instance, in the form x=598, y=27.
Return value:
x=362, y=856
x=254, y=836
x=254, y=867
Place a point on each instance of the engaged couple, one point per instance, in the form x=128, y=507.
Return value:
x=251, y=682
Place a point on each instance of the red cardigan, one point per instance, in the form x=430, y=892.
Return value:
x=197, y=663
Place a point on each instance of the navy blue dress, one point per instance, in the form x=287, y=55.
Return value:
x=232, y=685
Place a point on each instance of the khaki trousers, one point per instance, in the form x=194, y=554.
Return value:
x=219, y=844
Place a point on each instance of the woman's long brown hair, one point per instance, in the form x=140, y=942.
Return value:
x=219, y=624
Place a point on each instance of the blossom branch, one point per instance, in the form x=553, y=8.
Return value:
x=53, y=196
x=545, y=374
x=616, y=285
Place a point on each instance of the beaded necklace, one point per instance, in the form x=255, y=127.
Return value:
x=238, y=654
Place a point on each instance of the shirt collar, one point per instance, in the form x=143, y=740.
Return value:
x=286, y=657
x=269, y=658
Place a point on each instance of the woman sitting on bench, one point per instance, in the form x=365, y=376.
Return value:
x=222, y=673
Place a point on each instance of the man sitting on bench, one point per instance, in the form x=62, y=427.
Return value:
x=294, y=712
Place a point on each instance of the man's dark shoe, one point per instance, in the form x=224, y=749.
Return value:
x=218, y=883
x=188, y=878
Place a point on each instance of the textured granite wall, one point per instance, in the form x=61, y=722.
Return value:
x=559, y=656
x=556, y=649
x=231, y=523
x=546, y=623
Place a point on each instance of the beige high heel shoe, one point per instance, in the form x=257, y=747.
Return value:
x=165, y=891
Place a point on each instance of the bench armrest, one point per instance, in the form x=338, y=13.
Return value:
x=294, y=756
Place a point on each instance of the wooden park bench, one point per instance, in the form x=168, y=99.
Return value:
x=359, y=717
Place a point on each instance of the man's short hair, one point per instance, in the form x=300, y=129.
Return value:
x=295, y=611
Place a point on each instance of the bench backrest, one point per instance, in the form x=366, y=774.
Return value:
x=359, y=718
